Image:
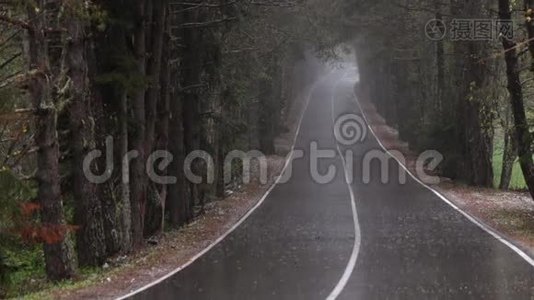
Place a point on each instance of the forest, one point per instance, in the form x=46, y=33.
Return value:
x=153, y=75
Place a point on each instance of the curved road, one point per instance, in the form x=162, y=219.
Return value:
x=304, y=241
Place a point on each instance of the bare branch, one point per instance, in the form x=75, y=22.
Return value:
x=15, y=22
x=11, y=59
x=204, y=24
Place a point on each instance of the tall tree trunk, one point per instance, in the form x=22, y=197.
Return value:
x=58, y=254
x=440, y=66
x=88, y=211
x=192, y=67
x=126, y=209
x=156, y=38
x=524, y=138
x=176, y=198
x=164, y=109
x=138, y=189
x=529, y=24
x=268, y=92
x=178, y=203
x=154, y=70
x=473, y=131
x=265, y=124
x=220, y=144
x=508, y=159
x=103, y=121
x=102, y=51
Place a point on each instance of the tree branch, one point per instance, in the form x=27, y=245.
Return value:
x=203, y=24
x=16, y=22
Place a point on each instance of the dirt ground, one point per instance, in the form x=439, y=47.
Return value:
x=510, y=213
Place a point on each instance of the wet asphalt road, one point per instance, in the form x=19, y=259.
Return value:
x=298, y=243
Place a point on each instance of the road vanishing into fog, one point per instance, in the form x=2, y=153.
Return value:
x=306, y=242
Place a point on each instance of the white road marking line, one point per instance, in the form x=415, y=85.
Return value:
x=357, y=233
x=471, y=218
x=217, y=241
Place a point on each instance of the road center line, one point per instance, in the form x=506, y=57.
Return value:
x=357, y=233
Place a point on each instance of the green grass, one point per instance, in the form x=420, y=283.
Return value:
x=86, y=277
x=27, y=270
x=518, y=181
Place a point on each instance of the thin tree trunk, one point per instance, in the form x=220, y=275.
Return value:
x=88, y=211
x=154, y=70
x=156, y=38
x=529, y=24
x=138, y=189
x=440, y=64
x=177, y=204
x=192, y=66
x=265, y=124
x=58, y=254
x=103, y=122
x=508, y=159
x=524, y=138
x=220, y=135
x=473, y=132
x=164, y=110
x=126, y=206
